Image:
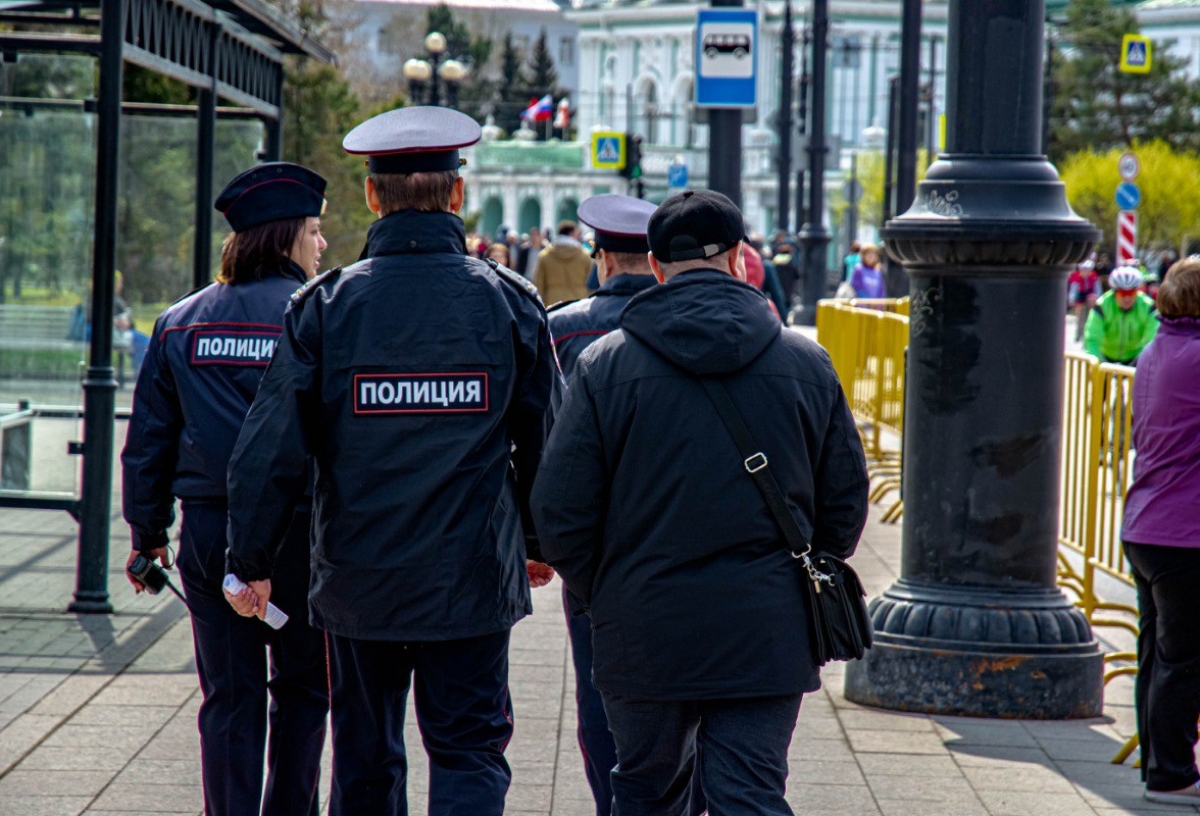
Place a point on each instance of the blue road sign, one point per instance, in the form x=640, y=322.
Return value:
x=677, y=175
x=726, y=56
x=1128, y=195
x=608, y=150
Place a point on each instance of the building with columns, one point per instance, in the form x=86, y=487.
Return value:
x=637, y=75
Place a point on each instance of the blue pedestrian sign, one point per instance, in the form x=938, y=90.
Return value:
x=1128, y=196
x=726, y=58
x=1136, y=54
x=677, y=175
x=608, y=150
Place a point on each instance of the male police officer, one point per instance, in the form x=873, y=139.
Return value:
x=624, y=270
x=419, y=379
x=646, y=511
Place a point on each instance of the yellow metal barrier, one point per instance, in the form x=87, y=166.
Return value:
x=867, y=340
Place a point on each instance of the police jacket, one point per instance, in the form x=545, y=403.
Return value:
x=1118, y=336
x=201, y=370
x=645, y=509
x=410, y=377
x=576, y=325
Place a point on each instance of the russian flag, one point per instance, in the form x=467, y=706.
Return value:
x=539, y=111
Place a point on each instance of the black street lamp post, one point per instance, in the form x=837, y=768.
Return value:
x=427, y=74
x=814, y=237
x=975, y=624
x=787, y=44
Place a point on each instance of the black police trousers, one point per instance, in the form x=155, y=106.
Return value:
x=232, y=661
x=464, y=713
x=1167, y=688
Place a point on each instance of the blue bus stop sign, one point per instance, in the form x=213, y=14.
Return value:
x=726, y=56
x=1128, y=196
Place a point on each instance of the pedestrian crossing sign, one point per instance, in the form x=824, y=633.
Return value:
x=608, y=150
x=1135, y=54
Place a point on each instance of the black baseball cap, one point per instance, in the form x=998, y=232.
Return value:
x=271, y=192
x=694, y=224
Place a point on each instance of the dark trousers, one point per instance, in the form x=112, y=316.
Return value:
x=236, y=677
x=743, y=767
x=595, y=741
x=1167, y=690
x=460, y=690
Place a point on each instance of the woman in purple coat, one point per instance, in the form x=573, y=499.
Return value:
x=1161, y=533
x=867, y=279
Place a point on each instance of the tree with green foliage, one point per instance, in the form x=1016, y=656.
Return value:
x=1169, y=214
x=319, y=110
x=1094, y=106
x=512, y=95
x=543, y=76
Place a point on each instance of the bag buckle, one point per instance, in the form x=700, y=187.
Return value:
x=755, y=462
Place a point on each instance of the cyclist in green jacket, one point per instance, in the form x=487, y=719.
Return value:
x=1123, y=321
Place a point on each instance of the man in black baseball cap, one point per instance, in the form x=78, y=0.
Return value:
x=624, y=271
x=695, y=225
x=644, y=507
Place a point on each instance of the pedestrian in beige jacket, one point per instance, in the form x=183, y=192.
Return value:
x=562, y=268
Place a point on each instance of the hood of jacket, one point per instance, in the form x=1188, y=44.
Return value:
x=703, y=321
x=565, y=250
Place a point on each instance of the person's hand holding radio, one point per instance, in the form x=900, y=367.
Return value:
x=161, y=553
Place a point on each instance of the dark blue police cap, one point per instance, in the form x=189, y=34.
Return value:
x=422, y=139
x=619, y=221
x=271, y=192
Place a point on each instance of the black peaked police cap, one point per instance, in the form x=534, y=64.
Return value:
x=619, y=221
x=271, y=192
x=423, y=139
x=695, y=224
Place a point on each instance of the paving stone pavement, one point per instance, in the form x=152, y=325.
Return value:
x=97, y=715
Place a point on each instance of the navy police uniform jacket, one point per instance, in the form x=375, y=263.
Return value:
x=419, y=380
x=578, y=324
x=644, y=508
x=201, y=371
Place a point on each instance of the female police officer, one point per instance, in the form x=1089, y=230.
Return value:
x=202, y=369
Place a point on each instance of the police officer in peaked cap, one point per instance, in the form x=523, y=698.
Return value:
x=419, y=379
x=622, y=269
x=202, y=369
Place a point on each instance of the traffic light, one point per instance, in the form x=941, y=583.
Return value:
x=633, y=157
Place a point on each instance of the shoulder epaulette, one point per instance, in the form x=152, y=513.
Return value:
x=194, y=291
x=556, y=306
x=519, y=281
x=301, y=294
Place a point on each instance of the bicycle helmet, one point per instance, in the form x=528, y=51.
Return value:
x=1125, y=279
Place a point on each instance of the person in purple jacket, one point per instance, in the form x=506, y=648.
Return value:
x=867, y=278
x=1161, y=533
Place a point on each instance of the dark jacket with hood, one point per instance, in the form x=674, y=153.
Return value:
x=419, y=380
x=645, y=510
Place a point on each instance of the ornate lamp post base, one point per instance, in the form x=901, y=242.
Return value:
x=979, y=654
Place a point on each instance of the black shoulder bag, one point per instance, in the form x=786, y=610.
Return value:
x=839, y=624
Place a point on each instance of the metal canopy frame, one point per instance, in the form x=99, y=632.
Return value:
x=228, y=49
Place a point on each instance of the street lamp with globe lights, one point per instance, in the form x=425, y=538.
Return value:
x=422, y=73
